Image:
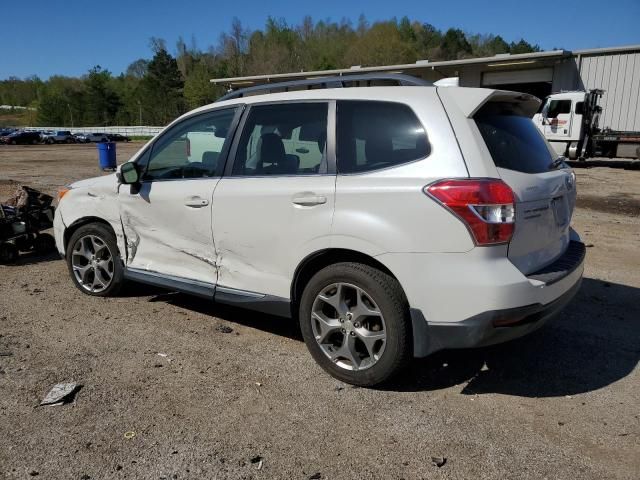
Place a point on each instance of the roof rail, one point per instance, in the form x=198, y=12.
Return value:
x=337, y=81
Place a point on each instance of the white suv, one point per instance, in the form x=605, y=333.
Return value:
x=392, y=221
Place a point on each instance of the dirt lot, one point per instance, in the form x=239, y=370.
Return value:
x=561, y=403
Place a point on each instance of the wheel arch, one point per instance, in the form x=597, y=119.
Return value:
x=323, y=258
x=71, y=229
x=316, y=261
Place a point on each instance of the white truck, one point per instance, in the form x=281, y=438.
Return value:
x=569, y=121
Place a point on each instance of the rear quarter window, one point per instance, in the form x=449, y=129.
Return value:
x=374, y=135
x=513, y=140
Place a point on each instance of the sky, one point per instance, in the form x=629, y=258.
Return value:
x=49, y=37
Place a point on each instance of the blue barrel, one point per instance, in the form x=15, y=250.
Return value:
x=107, y=155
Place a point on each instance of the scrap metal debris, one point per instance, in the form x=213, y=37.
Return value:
x=438, y=461
x=61, y=394
x=22, y=218
x=164, y=355
x=224, y=329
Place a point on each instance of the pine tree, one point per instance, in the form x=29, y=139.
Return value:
x=161, y=89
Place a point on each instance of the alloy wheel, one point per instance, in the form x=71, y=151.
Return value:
x=348, y=326
x=92, y=263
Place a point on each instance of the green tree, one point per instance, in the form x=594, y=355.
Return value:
x=523, y=47
x=161, y=89
x=102, y=102
x=382, y=44
x=455, y=45
x=198, y=90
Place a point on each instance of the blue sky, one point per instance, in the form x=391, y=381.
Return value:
x=46, y=37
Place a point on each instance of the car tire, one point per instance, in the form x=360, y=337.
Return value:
x=351, y=345
x=8, y=253
x=94, y=262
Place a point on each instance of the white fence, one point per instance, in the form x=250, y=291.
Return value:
x=143, y=131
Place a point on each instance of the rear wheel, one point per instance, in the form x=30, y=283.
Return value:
x=354, y=320
x=94, y=261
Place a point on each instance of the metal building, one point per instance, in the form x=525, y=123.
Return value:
x=615, y=70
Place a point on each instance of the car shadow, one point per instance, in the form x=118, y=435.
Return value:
x=268, y=323
x=31, y=258
x=593, y=343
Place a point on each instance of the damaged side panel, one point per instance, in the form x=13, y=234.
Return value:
x=167, y=226
x=93, y=198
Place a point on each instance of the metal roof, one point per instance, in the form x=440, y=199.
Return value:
x=605, y=50
x=497, y=60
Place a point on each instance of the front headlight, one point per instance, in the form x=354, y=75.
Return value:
x=62, y=191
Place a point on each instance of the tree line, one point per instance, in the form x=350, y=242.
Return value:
x=154, y=91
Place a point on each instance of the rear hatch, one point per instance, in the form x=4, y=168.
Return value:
x=543, y=185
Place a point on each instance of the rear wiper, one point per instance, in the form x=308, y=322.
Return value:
x=558, y=162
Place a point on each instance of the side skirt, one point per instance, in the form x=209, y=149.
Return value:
x=193, y=287
x=259, y=302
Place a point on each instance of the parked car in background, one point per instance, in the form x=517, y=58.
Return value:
x=390, y=221
x=5, y=132
x=116, y=137
x=95, y=137
x=45, y=134
x=22, y=138
x=60, y=136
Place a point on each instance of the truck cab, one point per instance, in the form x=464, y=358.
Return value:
x=561, y=121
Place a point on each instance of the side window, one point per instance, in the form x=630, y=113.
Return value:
x=271, y=141
x=556, y=107
x=374, y=135
x=192, y=148
x=580, y=108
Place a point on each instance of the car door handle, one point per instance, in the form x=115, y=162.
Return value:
x=309, y=200
x=196, y=202
x=302, y=150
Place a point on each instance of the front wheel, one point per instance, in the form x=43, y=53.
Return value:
x=354, y=320
x=94, y=261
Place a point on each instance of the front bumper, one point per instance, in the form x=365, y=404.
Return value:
x=58, y=231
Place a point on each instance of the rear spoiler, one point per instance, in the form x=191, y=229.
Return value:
x=470, y=100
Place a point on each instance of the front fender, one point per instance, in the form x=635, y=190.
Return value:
x=95, y=202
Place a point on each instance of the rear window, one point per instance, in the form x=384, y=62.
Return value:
x=375, y=135
x=513, y=140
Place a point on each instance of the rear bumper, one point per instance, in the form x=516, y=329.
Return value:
x=478, y=298
x=487, y=328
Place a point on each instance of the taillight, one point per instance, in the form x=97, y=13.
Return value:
x=188, y=146
x=486, y=206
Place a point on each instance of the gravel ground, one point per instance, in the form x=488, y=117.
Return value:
x=238, y=396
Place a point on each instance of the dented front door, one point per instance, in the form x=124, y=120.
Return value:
x=167, y=218
x=168, y=228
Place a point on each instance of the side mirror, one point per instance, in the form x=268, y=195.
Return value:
x=129, y=174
